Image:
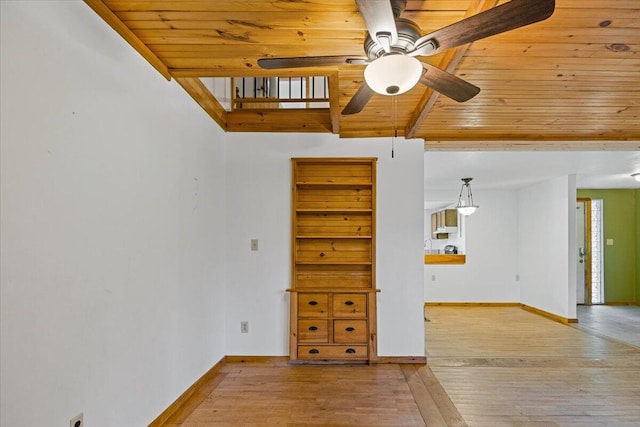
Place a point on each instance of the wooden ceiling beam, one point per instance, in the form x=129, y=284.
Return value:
x=251, y=72
x=228, y=6
x=485, y=145
x=334, y=102
x=203, y=96
x=315, y=120
x=120, y=27
x=448, y=63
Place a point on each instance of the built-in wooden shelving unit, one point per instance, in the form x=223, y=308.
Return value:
x=333, y=293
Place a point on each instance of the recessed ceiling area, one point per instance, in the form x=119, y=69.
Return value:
x=510, y=170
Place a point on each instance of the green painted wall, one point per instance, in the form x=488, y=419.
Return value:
x=622, y=260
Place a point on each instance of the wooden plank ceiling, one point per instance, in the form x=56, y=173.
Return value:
x=572, y=81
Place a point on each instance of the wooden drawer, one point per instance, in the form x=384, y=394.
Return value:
x=333, y=352
x=313, y=305
x=313, y=331
x=349, y=331
x=350, y=305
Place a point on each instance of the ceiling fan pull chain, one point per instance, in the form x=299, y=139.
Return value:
x=394, y=121
x=393, y=143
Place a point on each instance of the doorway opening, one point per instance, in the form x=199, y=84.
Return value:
x=597, y=254
x=589, y=277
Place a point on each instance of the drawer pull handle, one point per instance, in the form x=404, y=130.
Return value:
x=349, y=303
x=350, y=351
x=313, y=302
x=313, y=328
x=314, y=351
x=350, y=329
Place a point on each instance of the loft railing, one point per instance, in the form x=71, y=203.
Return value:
x=280, y=92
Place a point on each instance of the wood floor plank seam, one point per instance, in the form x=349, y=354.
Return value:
x=446, y=407
x=422, y=397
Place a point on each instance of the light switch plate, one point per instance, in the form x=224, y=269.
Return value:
x=609, y=242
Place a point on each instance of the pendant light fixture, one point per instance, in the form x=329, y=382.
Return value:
x=465, y=202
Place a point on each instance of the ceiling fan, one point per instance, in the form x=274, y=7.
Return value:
x=393, y=43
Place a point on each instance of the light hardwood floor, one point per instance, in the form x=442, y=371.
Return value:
x=503, y=366
x=488, y=366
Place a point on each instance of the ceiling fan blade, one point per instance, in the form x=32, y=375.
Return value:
x=359, y=99
x=381, y=24
x=507, y=16
x=308, y=61
x=448, y=84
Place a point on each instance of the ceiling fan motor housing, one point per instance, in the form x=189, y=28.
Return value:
x=408, y=33
x=397, y=7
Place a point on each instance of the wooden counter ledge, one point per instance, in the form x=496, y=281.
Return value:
x=445, y=258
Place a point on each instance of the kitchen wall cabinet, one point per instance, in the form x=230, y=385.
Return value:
x=443, y=222
x=333, y=291
x=434, y=228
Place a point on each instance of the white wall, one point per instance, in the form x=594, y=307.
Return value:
x=113, y=225
x=258, y=203
x=490, y=241
x=546, y=245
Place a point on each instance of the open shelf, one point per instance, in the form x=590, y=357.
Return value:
x=332, y=210
x=318, y=236
x=328, y=184
x=333, y=263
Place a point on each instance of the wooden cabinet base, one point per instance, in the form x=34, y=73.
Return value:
x=333, y=352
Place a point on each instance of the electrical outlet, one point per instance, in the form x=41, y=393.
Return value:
x=433, y=277
x=77, y=421
x=244, y=327
x=254, y=244
x=517, y=277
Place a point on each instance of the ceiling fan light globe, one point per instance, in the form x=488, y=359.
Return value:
x=393, y=74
